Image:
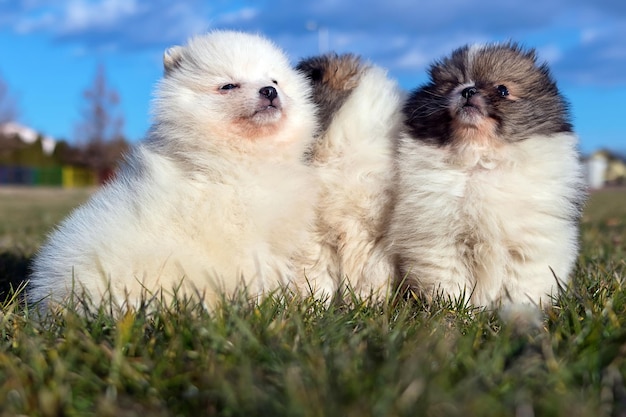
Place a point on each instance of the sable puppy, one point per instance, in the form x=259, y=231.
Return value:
x=489, y=184
x=217, y=198
x=360, y=117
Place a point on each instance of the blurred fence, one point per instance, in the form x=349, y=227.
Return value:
x=65, y=176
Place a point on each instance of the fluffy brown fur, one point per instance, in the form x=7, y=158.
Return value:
x=533, y=105
x=333, y=77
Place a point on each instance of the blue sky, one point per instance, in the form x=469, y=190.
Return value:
x=50, y=49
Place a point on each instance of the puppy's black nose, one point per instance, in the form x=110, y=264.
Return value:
x=269, y=92
x=469, y=92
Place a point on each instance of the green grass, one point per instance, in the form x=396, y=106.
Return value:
x=295, y=357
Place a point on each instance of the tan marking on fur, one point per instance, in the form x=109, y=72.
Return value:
x=343, y=73
x=482, y=132
x=251, y=130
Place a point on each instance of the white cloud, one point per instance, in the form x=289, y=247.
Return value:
x=402, y=35
x=238, y=16
x=32, y=24
x=412, y=59
x=72, y=16
x=81, y=14
x=588, y=35
x=550, y=53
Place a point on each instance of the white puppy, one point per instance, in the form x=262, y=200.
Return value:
x=217, y=198
x=489, y=186
x=360, y=117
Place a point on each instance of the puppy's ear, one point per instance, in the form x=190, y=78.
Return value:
x=172, y=57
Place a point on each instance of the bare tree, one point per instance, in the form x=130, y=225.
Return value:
x=100, y=133
x=8, y=104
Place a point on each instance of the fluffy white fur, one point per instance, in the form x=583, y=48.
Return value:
x=487, y=224
x=216, y=199
x=354, y=159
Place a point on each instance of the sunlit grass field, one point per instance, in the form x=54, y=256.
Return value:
x=293, y=356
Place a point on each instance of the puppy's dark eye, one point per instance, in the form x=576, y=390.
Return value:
x=229, y=87
x=502, y=90
x=275, y=82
